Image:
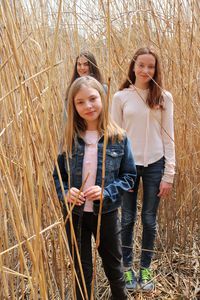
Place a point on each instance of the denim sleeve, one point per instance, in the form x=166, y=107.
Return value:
x=64, y=176
x=126, y=177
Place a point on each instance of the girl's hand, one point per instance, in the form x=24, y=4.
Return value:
x=165, y=189
x=74, y=196
x=93, y=193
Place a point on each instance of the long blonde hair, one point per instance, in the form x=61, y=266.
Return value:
x=76, y=126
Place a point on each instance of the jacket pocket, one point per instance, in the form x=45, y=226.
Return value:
x=113, y=159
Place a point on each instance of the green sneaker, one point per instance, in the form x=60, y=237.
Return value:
x=130, y=279
x=145, y=280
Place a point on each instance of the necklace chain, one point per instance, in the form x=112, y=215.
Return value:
x=89, y=141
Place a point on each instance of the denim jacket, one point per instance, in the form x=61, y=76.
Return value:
x=120, y=172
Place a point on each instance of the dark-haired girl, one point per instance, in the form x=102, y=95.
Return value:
x=145, y=111
x=85, y=64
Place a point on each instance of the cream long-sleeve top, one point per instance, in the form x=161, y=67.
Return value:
x=151, y=131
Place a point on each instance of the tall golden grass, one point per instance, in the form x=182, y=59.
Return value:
x=39, y=41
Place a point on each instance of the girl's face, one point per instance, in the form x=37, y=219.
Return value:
x=83, y=66
x=88, y=104
x=144, y=69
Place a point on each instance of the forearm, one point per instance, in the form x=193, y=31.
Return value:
x=168, y=139
x=120, y=185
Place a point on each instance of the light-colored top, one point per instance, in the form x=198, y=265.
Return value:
x=90, y=163
x=151, y=131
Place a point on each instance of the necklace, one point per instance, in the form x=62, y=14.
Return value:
x=91, y=137
x=89, y=143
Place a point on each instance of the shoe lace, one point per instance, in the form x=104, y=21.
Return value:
x=128, y=276
x=145, y=274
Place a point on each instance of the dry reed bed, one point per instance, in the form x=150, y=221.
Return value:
x=39, y=41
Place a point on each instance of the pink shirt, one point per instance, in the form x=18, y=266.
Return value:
x=90, y=163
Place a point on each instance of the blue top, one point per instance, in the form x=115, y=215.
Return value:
x=120, y=172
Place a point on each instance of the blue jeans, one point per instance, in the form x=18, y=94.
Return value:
x=151, y=178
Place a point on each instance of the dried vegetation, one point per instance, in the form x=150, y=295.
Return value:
x=38, y=43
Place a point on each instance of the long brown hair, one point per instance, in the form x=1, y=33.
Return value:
x=93, y=69
x=76, y=126
x=155, y=97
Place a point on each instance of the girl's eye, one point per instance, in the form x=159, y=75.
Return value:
x=92, y=99
x=151, y=67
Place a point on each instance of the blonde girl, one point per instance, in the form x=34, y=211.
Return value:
x=87, y=122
